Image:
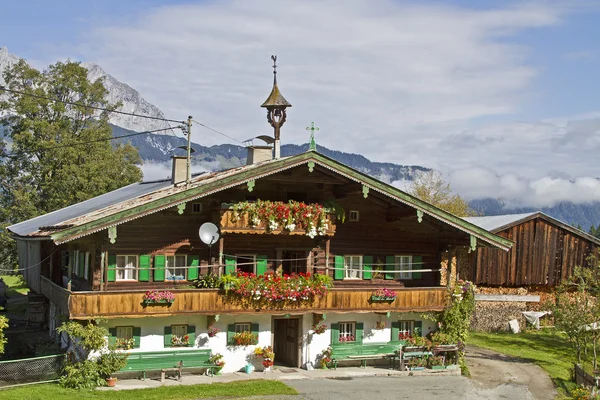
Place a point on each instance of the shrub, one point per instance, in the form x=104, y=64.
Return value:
x=81, y=375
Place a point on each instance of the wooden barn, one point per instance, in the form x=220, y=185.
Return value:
x=545, y=252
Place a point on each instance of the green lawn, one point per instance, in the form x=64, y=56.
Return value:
x=15, y=284
x=232, y=389
x=17, y=294
x=547, y=348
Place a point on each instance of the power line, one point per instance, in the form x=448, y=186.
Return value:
x=3, y=88
x=216, y=131
x=97, y=140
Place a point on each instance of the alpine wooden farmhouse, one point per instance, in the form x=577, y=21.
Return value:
x=99, y=258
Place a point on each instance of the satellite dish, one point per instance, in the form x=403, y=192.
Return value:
x=209, y=233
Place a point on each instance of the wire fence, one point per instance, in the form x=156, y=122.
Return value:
x=31, y=370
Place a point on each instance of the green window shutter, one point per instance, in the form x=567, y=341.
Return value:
x=191, y=331
x=417, y=263
x=159, y=269
x=137, y=332
x=261, y=265
x=419, y=326
x=193, y=261
x=230, y=265
x=367, y=267
x=339, y=268
x=230, y=333
x=335, y=333
x=255, y=331
x=81, y=272
x=360, y=328
x=168, y=334
x=112, y=336
x=390, y=265
x=144, y=269
x=395, y=331
x=112, y=268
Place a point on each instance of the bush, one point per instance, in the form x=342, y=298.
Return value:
x=82, y=375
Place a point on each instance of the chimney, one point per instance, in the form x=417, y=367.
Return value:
x=258, y=154
x=179, y=172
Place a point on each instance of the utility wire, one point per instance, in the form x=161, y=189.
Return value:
x=12, y=154
x=216, y=131
x=4, y=88
x=29, y=267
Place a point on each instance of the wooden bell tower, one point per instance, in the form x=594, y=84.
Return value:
x=276, y=105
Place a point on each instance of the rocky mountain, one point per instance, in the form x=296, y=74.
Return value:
x=6, y=61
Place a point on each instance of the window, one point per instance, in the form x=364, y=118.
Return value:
x=353, y=266
x=179, y=331
x=404, y=263
x=242, y=327
x=127, y=267
x=354, y=216
x=124, y=332
x=246, y=263
x=347, y=332
x=406, y=329
x=175, y=267
x=196, y=208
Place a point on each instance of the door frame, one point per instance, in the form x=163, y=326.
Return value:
x=299, y=335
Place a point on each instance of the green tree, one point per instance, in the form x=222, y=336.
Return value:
x=56, y=154
x=3, y=325
x=431, y=187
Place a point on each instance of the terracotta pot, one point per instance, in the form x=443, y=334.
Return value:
x=111, y=382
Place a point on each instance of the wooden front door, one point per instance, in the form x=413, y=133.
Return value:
x=286, y=341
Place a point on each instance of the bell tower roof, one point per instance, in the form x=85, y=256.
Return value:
x=275, y=99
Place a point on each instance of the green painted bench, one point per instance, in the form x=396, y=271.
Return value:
x=169, y=360
x=363, y=352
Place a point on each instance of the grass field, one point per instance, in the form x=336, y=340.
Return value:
x=547, y=348
x=232, y=389
x=17, y=294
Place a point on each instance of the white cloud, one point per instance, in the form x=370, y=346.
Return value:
x=387, y=79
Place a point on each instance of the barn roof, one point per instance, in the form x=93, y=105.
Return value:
x=497, y=223
x=141, y=199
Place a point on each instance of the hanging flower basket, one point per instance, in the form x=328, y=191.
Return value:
x=319, y=328
x=155, y=297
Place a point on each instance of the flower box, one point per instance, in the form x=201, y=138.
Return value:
x=157, y=302
x=157, y=297
x=382, y=298
x=438, y=367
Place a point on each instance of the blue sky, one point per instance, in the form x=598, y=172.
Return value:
x=482, y=90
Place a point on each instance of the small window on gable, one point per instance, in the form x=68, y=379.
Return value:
x=354, y=216
x=196, y=208
x=242, y=327
x=347, y=332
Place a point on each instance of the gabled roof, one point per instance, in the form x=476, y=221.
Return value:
x=98, y=214
x=497, y=223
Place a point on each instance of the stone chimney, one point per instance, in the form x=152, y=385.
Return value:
x=258, y=154
x=179, y=172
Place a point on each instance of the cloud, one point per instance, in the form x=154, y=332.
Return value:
x=388, y=79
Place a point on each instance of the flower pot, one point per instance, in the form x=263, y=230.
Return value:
x=438, y=367
x=249, y=368
x=111, y=382
x=267, y=369
x=417, y=368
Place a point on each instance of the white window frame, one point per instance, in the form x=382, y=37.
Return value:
x=246, y=259
x=347, y=328
x=351, y=271
x=175, y=259
x=403, y=263
x=124, y=332
x=240, y=327
x=179, y=330
x=406, y=326
x=128, y=273
x=353, y=216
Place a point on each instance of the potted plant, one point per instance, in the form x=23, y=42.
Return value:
x=212, y=331
x=325, y=357
x=244, y=338
x=268, y=356
x=180, y=341
x=227, y=282
x=217, y=360
x=319, y=329
x=417, y=363
x=109, y=362
x=437, y=362
x=157, y=297
x=380, y=325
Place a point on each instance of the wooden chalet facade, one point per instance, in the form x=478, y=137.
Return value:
x=545, y=252
x=100, y=257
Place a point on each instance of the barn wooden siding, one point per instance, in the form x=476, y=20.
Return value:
x=543, y=254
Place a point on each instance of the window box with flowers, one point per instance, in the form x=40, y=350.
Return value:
x=276, y=217
x=124, y=343
x=179, y=336
x=319, y=329
x=382, y=295
x=157, y=297
x=244, y=339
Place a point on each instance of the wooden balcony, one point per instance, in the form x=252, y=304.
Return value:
x=118, y=304
x=243, y=226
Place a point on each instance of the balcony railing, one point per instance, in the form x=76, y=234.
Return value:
x=210, y=301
